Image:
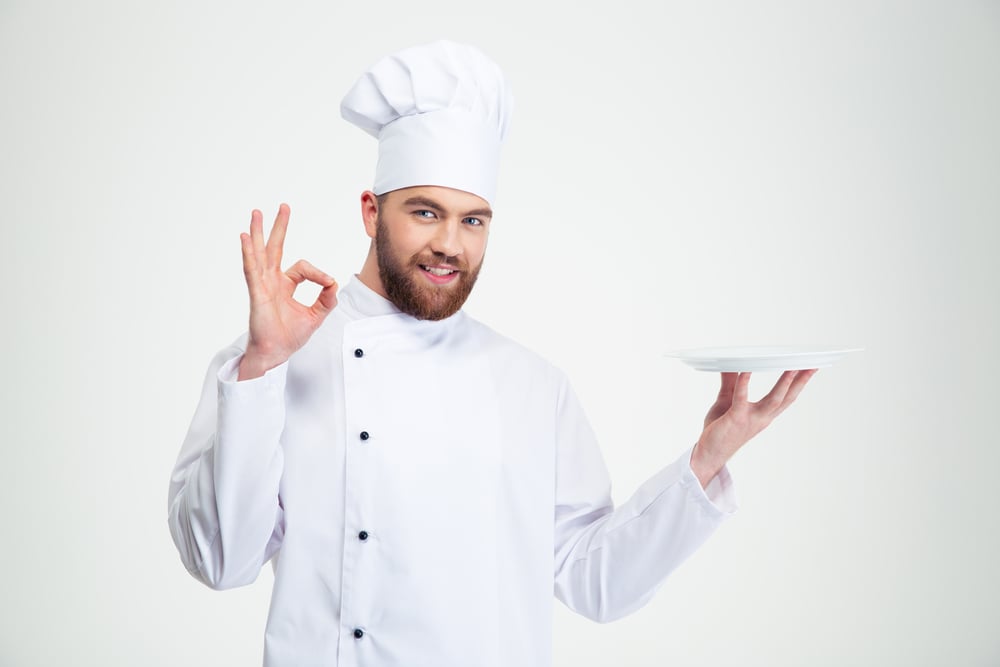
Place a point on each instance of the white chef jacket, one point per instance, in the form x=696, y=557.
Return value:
x=420, y=488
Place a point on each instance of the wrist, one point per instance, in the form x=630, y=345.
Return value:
x=705, y=464
x=253, y=365
x=249, y=370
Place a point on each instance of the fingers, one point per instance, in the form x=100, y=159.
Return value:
x=777, y=393
x=742, y=388
x=785, y=391
x=257, y=237
x=276, y=239
x=265, y=255
x=742, y=420
x=797, y=385
x=728, y=384
x=303, y=270
x=325, y=301
x=327, y=298
x=725, y=399
x=801, y=380
x=251, y=258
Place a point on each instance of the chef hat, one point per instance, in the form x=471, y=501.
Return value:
x=439, y=111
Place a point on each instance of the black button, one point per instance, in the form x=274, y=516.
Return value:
x=364, y=435
x=358, y=633
x=363, y=535
x=359, y=353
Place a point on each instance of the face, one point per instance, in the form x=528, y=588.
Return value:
x=429, y=245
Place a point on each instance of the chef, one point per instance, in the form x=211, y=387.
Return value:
x=419, y=483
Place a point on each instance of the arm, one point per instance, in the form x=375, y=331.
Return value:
x=224, y=509
x=224, y=512
x=609, y=562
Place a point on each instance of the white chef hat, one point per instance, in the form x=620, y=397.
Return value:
x=439, y=111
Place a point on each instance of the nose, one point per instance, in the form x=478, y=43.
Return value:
x=446, y=240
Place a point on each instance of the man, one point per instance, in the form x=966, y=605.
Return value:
x=420, y=483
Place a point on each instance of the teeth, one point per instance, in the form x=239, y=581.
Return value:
x=438, y=272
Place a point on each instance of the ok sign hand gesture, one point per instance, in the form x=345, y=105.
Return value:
x=279, y=325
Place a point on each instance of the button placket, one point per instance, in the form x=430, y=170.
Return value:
x=357, y=379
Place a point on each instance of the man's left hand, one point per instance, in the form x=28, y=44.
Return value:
x=733, y=420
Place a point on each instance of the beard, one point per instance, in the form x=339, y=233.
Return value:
x=415, y=297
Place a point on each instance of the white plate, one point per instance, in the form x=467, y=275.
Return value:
x=761, y=358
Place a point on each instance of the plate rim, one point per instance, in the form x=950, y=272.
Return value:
x=712, y=353
x=777, y=358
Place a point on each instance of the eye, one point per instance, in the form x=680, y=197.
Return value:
x=476, y=222
x=424, y=213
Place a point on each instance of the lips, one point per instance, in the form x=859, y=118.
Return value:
x=438, y=270
x=439, y=275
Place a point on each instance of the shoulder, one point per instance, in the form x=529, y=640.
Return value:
x=507, y=353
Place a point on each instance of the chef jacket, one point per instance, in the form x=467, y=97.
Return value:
x=420, y=489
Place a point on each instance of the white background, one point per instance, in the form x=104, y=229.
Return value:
x=679, y=174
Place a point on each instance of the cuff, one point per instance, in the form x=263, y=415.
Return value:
x=271, y=382
x=720, y=492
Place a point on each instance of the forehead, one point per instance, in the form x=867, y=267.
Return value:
x=447, y=198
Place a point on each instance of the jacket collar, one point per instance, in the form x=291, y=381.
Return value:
x=362, y=302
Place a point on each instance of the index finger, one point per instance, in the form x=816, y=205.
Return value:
x=742, y=389
x=276, y=239
x=728, y=384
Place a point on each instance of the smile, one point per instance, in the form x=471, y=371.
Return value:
x=437, y=271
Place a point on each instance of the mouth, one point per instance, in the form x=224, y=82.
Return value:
x=438, y=270
x=439, y=275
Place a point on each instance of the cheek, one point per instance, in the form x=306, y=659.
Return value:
x=476, y=248
x=414, y=244
x=406, y=240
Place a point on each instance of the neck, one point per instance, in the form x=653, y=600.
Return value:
x=369, y=276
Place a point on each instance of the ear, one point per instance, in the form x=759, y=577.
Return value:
x=369, y=212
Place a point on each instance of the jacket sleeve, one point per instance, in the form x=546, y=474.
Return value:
x=224, y=510
x=609, y=562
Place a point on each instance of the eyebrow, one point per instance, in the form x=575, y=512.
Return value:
x=431, y=204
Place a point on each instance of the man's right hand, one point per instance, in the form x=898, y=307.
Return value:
x=279, y=325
